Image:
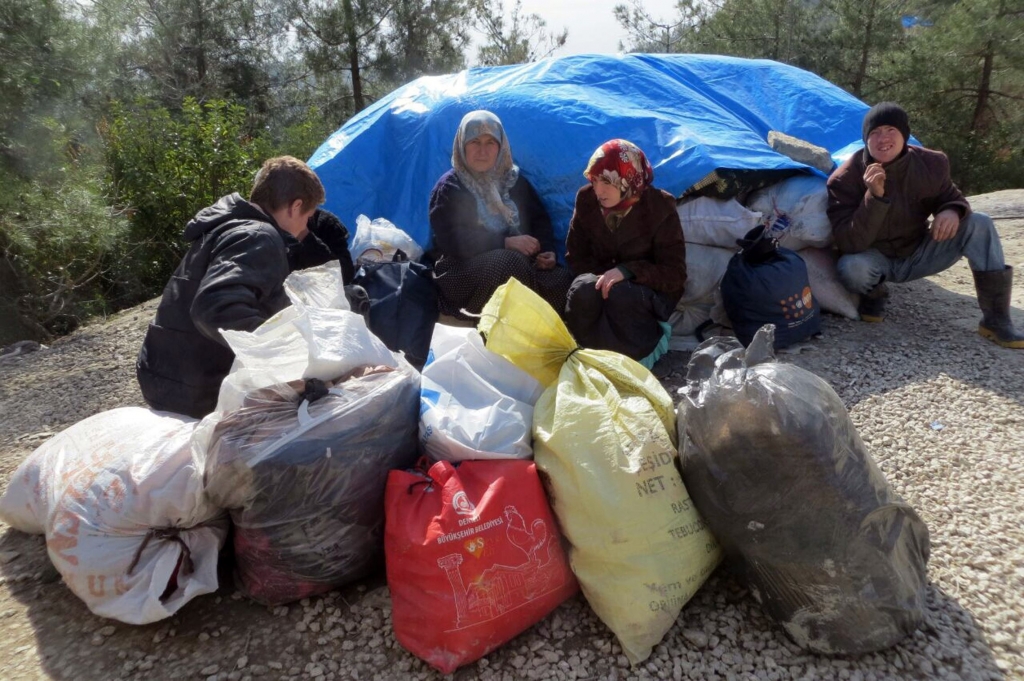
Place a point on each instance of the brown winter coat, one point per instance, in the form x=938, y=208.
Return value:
x=917, y=186
x=648, y=241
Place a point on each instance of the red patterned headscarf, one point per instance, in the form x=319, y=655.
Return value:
x=624, y=165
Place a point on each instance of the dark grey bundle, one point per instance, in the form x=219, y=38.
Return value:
x=775, y=466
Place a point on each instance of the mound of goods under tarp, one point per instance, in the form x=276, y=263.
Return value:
x=692, y=114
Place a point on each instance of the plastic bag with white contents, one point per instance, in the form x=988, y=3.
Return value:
x=123, y=511
x=320, y=286
x=474, y=404
x=304, y=340
x=379, y=240
x=803, y=199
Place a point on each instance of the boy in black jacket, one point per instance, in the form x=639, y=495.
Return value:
x=231, y=278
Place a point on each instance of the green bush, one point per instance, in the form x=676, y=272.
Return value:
x=58, y=240
x=163, y=169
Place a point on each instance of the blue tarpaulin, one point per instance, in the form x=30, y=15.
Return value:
x=691, y=114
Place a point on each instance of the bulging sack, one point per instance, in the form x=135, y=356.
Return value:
x=123, y=512
x=474, y=558
x=403, y=305
x=777, y=469
x=474, y=404
x=379, y=240
x=828, y=291
x=765, y=284
x=603, y=436
x=302, y=469
x=803, y=200
x=715, y=222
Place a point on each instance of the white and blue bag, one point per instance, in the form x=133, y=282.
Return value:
x=474, y=404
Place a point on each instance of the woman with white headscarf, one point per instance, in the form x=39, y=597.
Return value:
x=488, y=224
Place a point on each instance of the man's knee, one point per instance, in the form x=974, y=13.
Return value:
x=979, y=225
x=859, y=272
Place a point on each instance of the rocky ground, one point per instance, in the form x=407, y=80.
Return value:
x=941, y=409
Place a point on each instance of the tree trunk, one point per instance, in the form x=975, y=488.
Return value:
x=979, y=122
x=200, y=47
x=353, y=56
x=865, y=52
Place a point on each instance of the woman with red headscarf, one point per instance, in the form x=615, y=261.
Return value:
x=625, y=246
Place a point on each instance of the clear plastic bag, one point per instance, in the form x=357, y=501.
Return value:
x=475, y=404
x=320, y=286
x=316, y=337
x=776, y=468
x=377, y=241
x=304, y=476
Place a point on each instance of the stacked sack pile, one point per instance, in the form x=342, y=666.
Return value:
x=517, y=470
x=136, y=504
x=474, y=552
x=794, y=212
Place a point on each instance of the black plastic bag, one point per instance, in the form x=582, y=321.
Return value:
x=302, y=471
x=403, y=305
x=776, y=468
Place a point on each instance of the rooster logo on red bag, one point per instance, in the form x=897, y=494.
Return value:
x=531, y=542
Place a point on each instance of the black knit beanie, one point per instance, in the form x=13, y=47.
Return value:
x=887, y=113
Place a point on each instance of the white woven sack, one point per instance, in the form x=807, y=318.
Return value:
x=823, y=277
x=715, y=222
x=804, y=200
x=123, y=511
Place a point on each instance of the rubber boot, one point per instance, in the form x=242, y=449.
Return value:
x=994, y=300
x=872, y=304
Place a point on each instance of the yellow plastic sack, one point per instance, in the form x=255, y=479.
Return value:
x=604, y=433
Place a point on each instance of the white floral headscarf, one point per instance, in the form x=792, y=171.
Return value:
x=491, y=188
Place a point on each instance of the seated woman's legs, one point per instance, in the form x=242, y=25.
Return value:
x=553, y=286
x=584, y=308
x=626, y=322
x=469, y=284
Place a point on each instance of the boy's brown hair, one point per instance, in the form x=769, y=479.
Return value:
x=282, y=180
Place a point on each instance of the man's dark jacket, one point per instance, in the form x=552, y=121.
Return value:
x=231, y=278
x=917, y=186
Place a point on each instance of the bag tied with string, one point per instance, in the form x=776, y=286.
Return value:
x=604, y=440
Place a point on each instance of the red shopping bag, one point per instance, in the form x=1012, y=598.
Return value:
x=473, y=558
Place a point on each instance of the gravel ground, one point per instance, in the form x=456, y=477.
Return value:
x=941, y=409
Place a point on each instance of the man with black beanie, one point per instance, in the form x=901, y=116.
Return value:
x=879, y=204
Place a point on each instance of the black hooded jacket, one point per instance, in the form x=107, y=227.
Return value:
x=231, y=278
